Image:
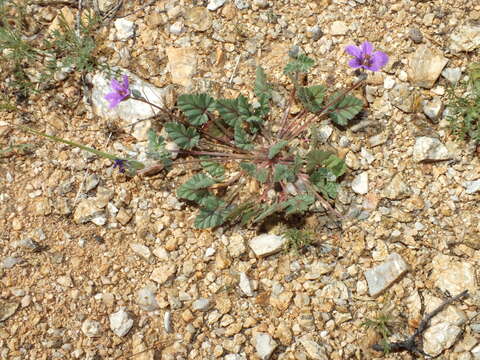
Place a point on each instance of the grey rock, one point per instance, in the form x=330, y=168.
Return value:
x=201, y=304
x=10, y=261
x=397, y=189
x=91, y=328
x=167, y=322
x=267, y=244
x=452, y=74
x=317, y=269
x=465, y=38
x=7, y=309
x=125, y=29
x=215, y=4
x=360, y=183
x=120, y=322
x=314, y=350
x=429, y=149
x=26, y=243
x=315, y=32
x=142, y=251
x=433, y=109
x=177, y=27
x=324, y=133
x=245, y=285
x=146, y=299
x=382, y=276
x=129, y=112
x=264, y=345
x=91, y=182
x=425, y=66
x=472, y=186
x=241, y=4
x=415, y=35
x=402, y=97
x=378, y=139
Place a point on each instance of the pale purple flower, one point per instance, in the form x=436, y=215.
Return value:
x=120, y=92
x=365, y=58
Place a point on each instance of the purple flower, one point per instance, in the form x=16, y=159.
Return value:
x=365, y=58
x=120, y=92
x=120, y=164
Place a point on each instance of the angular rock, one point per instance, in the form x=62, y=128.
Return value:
x=245, y=285
x=215, y=4
x=338, y=28
x=452, y=275
x=433, y=109
x=10, y=261
x=264, y=345
x=314, y=350
x=397, y=189
x=86, y=210
x=241, y=4
x=198, y=18
x=439, y=337
x=163, y=273
x=140, y=348
x=453, y=75
x=360, y=183
x=425, y=66
x=130, y=111
x=382, y=276
x=91, y=328
x=167, y=322
x=125, y=29
x=201, y=304
x=141, y=250
x=182, y=63
x=472, y=186
x=236, y=245
x=429, y=149
x=465, y=38
x=120, y=322
x=146, y=299
x=267, y=244
x=7, y=309
x=402, y=97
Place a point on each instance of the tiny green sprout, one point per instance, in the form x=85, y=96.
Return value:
x=297, y=240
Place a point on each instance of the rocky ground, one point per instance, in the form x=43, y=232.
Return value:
x=95, y=265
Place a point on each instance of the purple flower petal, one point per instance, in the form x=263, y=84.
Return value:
x=353, y=50
x=367, y=48
x=113, y=98
x=379, y=60
x=115, y=85
x=125, y=82
x=355, y=63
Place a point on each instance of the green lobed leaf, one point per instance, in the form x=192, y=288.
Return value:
x=318, y=158
x=301, y=64
x=276, y=148
x=262, y=87
x=196, y=107
x=312, y=97
x=241, y=138
x=213, y=168
x=233, y=111
x=283, y=172
x=269, y=210
x=213, y=213
x=195, y=188
x=345, y=110
x=324, y=180
x=259, y=174
x=299, y=204
x=183, y=137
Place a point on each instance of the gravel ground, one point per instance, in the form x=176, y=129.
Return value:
x=95, y=265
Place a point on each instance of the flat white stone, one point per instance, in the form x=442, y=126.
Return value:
x=429, y=149
x=120, y=322
x=125, y=29
x=382, y=276
x=440, y=337
x=245, y=285
x=265, y=345
x=267, y=244
x=360, y=183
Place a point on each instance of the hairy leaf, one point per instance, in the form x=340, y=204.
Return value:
x=262, y=87
x=301, y=64
x=270, y=210
x=283, y=172
x=276, y=148
x=213, y=213
x=196, y=107
x=195, y=188
x=299, y=204
x=325, y=182
x=213, y=168
x=318, y=158
x=259, y=174
x=233, y=111
x=312, y=97
x=183, y=137
x=345, y=110
x=241, y=138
